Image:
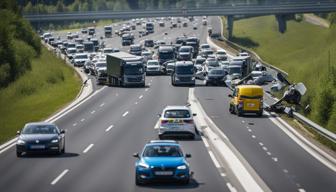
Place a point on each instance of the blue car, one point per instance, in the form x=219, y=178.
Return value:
x=162, y=160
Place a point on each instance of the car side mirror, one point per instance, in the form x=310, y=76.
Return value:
x=194, y=114
x=188, y=155
x=230, y=95
x=136, y=155
x=18, y=132
x=62, y=131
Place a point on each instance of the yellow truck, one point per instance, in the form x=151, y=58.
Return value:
x=247, y=99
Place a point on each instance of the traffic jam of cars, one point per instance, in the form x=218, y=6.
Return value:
x=184, y=59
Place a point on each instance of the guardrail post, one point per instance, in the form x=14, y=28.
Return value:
x=281, y=23
x=229, y=26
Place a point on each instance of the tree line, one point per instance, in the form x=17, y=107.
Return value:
x=18, y=43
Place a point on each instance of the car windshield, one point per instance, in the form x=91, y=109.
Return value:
x=135, y=48
x=205, y=47
x=99, y=65
x=40, y=129
x=213, y=63
x=166, y=55
x=217, y=72
x=81, y=56
x=233, y=70
x=71, y=51
x=153, y=63
x=184, y=50
x=162, y=151
x=177, y=114
x=133, y=69
x=184, y=70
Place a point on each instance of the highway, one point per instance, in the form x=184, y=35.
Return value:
x=104, y=132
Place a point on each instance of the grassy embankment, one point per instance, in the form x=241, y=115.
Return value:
x=307, y=52
x=46, y=88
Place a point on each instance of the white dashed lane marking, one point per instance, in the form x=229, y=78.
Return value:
x=101, y=104
x=92, y=112
x=75, y=124
x=59, y=177
x=88, y=148
x=214, y=159
x=82, y=120
x=141, y=96
x=125, y=114
x=109, y=128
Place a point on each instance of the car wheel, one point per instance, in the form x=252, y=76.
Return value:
x=63, y=150
x=18, y=154
x=186, y=182
x=231, y=109
x=138, y=180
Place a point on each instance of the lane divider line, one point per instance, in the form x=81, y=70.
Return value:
x=75, y=124
x=125, y=114
x=101, y=105
x=88, y=148
x=82, y=120
x=109, y=128
x=214, y=159
x=59, y=177
x=92, y=112
x=141, y=96
x=231, y=188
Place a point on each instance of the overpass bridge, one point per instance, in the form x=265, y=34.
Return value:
x=280, y=10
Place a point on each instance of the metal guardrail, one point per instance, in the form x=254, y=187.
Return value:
x=319, y=129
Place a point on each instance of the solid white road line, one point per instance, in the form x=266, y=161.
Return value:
x=205, y=142
x=125, y=114
x=141, y=96
x=109, y=128
x=214, y=159
x=88, y=148
x=59, y=177
x=232, y=189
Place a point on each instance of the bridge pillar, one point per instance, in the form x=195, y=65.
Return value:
x=282, y=22
x=229, y=26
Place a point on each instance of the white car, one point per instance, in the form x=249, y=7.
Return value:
x=153, y=67
x=177, y=121
x=221, y=55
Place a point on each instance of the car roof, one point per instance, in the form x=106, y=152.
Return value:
x=178, y=107
x=179, y=63
x=162, y=142
x=39, y=123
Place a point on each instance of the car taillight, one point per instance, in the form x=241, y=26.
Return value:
x=164, y=121
x=189, y=121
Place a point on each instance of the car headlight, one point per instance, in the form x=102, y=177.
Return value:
x=182, y=167
x=143, y=165
x=54, y=141
x=21, y=142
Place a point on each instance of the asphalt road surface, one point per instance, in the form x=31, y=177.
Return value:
x=104, y=132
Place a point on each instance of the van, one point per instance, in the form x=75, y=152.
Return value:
x=247, y=99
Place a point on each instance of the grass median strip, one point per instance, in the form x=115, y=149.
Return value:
x=39, y=93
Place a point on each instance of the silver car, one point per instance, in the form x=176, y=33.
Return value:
x=177, y=121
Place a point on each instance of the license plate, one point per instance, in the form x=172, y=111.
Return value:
x=163, y=173
x=37, y=147
x=251, y=104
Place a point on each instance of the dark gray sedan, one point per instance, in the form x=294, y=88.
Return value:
x=216, y=76
x=40, y=137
